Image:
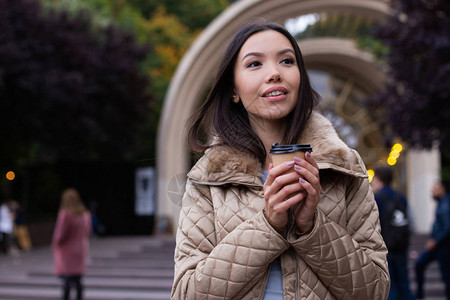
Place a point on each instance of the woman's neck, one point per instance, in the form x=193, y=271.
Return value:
x=269, y=131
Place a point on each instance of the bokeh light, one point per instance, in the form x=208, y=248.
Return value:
x=395, y=154
x=397, y=147
x=371, y=173
x=10, y=175
x=391, y=161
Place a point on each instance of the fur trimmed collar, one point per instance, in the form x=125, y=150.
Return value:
x=224, y=164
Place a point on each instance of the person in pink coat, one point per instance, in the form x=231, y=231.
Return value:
x=70, y=242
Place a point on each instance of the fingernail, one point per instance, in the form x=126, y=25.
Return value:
x=290, y=163
x=297, y=167
x=302, y=180
x=308, y=154
x=297, y=159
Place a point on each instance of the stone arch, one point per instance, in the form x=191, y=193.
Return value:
x=193, y=75
x=331, y=54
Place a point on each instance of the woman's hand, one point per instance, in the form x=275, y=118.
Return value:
x=281, y=191
x=430, y=244
x=304, y=211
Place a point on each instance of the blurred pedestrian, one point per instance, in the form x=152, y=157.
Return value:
x=395, y=229
x=71, y=242
x=97, y=226
x=20, y=228
x=6, y=226
x=438, y=246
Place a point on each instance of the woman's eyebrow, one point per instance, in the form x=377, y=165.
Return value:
x=259, y=54
x=284, y=51
x=253, y=54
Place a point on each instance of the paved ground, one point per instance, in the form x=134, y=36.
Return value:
x=118, y=268
x=434, y=287
x=128, y=268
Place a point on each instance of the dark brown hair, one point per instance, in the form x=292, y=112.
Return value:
x=227, y=121
x=384, y=173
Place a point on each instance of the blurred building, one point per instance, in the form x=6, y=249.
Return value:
x=343, y=73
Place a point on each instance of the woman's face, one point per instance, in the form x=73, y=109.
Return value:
x=267, y=77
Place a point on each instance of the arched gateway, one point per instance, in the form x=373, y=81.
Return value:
x=347, y=69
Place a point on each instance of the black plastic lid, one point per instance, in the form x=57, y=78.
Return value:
x=281, y=149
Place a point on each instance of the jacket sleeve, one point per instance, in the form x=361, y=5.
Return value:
x=349, y=259
x=208, y=269
x=441, y=226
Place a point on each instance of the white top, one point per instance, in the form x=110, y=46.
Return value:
x=274, y=285
x=6, y=220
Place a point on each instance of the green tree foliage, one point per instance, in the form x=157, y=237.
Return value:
x=346, y=26
x=167, y=25
x=338, y=25
x=194, y=14
x=171, y=40
x=416, y=100
x=67, y=91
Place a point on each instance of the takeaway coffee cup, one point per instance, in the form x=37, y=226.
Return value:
x=285, y=153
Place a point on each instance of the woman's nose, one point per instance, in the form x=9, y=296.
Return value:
x=273, y=75
x=275, y=78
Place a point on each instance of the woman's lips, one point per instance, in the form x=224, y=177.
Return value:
x=275, y=94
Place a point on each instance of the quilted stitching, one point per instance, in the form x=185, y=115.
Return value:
x=224, y=243
x=227, y=266
x=247, y=246
x=336, y=248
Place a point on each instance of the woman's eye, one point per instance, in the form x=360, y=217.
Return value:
x=253, y=64
x=288, y=61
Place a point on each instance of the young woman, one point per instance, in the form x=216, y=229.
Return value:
x=249, y=230
x=71, y=242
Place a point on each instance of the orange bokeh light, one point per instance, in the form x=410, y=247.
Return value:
x=10, y=175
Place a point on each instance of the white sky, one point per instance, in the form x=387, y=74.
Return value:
x=299, y=24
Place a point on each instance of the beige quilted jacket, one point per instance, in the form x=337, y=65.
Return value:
x=225, y=245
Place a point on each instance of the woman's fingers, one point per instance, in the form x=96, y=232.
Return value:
x=311, y=191
x=307, y=169
x=309, y=158
x=300, y=189
x=281, y=191
x=274, y=172
x=278, y=178
x=284, y=205
x=286, y=192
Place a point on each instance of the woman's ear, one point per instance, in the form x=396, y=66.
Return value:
x=235, y=96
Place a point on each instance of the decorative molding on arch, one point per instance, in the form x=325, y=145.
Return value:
x=193, y=75
x=343, y=54
x=342, y=57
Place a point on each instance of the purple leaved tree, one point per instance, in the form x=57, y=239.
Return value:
x=67, y=89
x=416, y=100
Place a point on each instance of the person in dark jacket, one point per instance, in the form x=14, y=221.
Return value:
x=397, y=256
x=438, y=246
